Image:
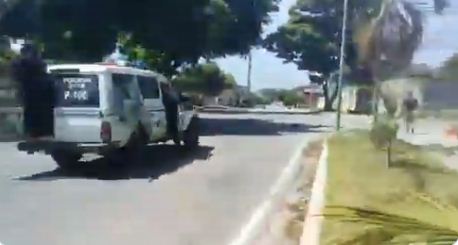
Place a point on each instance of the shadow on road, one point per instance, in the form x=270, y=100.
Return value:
x=223, y=126
x=155, y=161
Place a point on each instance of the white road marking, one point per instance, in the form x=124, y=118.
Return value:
x=251, y=229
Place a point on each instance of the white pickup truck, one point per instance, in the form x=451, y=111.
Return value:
x=105, y=108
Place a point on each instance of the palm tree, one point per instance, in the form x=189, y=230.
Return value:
x=387, y=46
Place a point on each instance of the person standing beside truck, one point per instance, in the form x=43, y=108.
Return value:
x=36, y=91
x=171, y=101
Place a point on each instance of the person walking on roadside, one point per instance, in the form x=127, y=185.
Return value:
x=410, y=104
x=36, y=91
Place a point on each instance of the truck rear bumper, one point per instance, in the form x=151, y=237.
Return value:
x=47, y=147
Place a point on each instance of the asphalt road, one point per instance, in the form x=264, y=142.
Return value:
x=170, y=197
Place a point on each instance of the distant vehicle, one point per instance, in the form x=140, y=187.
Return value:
x=105, y=109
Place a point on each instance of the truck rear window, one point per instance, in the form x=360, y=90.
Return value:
x=77, y=90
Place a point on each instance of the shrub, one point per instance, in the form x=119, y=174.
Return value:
x=383, y=133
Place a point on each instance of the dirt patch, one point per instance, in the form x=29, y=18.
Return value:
x=296, y=207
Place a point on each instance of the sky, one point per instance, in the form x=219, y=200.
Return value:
x=440, y=42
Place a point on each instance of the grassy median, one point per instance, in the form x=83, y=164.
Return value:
x=367, y=203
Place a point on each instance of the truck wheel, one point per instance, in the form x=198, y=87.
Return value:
x=66, y=159
x=191, y=135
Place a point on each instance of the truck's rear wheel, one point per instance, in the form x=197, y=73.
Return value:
x=66, y=159
x=191, y=135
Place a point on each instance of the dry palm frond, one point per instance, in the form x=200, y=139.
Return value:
x=364, y=236
x=434, y=202
x=393, y=228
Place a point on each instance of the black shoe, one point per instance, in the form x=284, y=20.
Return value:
x=175, y=138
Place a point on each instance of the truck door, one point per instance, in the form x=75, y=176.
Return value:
x=129, y=105
x=149, y=87
x=76, y=116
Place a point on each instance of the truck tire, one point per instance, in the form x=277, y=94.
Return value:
x=66, y=159
x=191, y=135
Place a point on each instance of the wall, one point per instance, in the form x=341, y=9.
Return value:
x=311, y=100
x=441, y=95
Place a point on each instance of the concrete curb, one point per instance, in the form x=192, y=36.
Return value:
x=313, y=219
x=251, y=230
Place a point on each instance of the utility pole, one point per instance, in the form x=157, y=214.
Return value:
x=250, y=56
x=341, y=65
x=249, y=71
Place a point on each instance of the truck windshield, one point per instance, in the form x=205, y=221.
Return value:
x=77, y=90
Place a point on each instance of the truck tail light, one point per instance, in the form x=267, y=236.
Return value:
x=105, y=132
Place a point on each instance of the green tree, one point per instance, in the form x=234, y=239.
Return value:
x=235, y=25
x=270, y=93
x=206, y=79
x=383, y=134
x=261, y=100
x=6, y=6
x=174, y=32
x=288, y=97
x=159, y=61
x=311, y=39
x=291, y=98
x=449, y=70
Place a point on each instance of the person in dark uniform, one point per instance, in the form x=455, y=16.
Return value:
x=171, y=101
x=36, y=92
